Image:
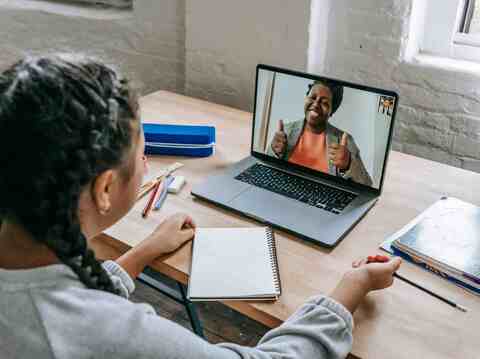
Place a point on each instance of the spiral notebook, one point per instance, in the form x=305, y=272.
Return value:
x=234, y=264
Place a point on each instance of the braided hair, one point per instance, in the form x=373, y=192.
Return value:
x=63, y=121
x=335, y=88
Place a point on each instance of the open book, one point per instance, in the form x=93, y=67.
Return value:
x=234, y=264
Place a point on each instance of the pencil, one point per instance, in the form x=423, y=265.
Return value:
x=151, y=200
x=163, y=193
x=160, y=200
x=445, y=300
x=146, y=188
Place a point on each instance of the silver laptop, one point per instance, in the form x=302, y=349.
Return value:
x=319, y=149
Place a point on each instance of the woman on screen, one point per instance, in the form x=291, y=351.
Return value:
x=314, y=143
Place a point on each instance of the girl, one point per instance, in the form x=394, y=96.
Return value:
x=71, y=159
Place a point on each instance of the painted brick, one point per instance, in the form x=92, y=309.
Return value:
x=146, y=44
x=221, y=54
x=397, y=8
x=466, y=147
x=468, y=126
x=178, y=45
x=439, y=113
x=433, y=154
x=470, y=164
x=421, y=118
x=365, y=44
x=375, y=25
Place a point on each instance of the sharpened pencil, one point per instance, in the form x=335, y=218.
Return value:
x=445, y=300
x=153, y=198
x=146, y=189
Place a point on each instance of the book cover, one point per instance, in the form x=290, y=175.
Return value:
x=448, y=234
x=443, y=239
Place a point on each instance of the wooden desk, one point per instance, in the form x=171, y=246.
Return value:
x=400, y=322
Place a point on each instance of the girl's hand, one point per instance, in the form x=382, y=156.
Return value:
x=372, y=273
x=167, y=237
x=376, y=271
x=172, y=233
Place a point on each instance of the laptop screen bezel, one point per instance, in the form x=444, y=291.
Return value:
x=305, y=170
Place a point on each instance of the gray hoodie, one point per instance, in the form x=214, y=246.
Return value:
x=48, y=313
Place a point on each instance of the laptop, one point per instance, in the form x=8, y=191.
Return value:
x=319, y=150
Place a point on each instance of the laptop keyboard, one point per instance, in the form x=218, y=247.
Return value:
x=312, y=193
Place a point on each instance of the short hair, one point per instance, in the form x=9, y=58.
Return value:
x=335, y=89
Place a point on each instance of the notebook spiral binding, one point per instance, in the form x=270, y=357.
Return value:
x=272, y=247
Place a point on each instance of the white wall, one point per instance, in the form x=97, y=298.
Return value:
x=225, y=40
x=356, y=116
x=209, y=49
x=263, y=82
x=146, y=43
x=288, y=100
x=381, y=130
x=373, y=42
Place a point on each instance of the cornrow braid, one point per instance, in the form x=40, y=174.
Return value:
x=68, y=118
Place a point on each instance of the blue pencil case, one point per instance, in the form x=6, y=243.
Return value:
x=179, y=140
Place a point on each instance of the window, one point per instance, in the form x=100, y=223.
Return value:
x=470, y=22
x=452, y=29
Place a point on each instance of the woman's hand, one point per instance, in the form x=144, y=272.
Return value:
x=172, y=233
x=339, y=155
x=279, y=142
x=169, y=235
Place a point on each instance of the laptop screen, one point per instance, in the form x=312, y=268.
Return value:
x=332, y=127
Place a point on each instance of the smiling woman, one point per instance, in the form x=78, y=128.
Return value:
x=314, y=142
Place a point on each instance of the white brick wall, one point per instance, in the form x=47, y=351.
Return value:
x=439, y=113
x=145, y=43
x=225, y=40
x=209, y=49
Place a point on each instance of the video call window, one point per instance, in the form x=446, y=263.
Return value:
x=322, y=125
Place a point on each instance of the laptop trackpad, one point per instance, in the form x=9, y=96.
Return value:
x=221, y=189
x=276, y=209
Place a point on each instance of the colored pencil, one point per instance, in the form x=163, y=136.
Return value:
x=151, y=201
x=163, y=195
x=147, y=187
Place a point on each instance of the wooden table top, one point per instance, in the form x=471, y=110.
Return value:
x=399, y=322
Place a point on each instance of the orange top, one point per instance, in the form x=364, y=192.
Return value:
x=311, y=151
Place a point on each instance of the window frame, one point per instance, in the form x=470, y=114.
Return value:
x=442, y=33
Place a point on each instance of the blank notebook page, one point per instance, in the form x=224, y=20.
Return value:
x=232, y=262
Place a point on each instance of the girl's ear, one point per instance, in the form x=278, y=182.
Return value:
x=102, y=191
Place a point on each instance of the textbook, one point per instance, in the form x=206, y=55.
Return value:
x=444, y=239
x=234, y=264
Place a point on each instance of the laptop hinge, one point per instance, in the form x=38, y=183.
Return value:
x=311, y=178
